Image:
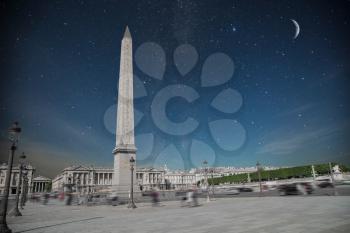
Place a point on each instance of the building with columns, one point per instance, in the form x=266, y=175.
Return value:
x=41, y=184
x=15, y=177
x=89, y=179
x=84, y=179
x=180, y=179
x=148, y=178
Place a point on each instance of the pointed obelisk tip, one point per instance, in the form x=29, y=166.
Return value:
x=127, y=32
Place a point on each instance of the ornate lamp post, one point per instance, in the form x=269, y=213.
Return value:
x=69, y=190
x=212, y=182
x=89, y=185
x=182, y=181
x=15, y=212
x=69, y=185
x=24, y=189
x=77, y=185
x=258, y=167
x=131, y=200
x=205, y=163
x=14, y=132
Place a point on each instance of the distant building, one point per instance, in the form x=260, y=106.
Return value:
x=180, y=179
x=227, y=171
x=89, y=179
x=148, y=178
x=85, y=179
x=41, y=184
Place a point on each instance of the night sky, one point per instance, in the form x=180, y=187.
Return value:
x=285, y=102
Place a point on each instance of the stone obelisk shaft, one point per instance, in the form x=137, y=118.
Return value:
x=125, y=142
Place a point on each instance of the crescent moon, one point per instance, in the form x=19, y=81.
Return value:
x=297, y=28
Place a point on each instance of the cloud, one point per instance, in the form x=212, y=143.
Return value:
x=296, y=110
x=291, y=142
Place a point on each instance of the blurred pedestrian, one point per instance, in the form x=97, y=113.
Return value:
x=191, y=197
x=45, y=198
x=61, y=196
x=69, y=198
x=155, y=197
x=184, y=200
x=195, y=198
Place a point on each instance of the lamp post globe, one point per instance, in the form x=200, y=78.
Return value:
x=14, y=132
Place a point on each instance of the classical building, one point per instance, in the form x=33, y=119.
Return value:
x=148, y=178
x=41, y=184
x=15, y=177
x=84, y=179
x=88, y=179
x=181, y=179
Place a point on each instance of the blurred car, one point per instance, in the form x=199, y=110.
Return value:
x=308, y=188
x=288, y=189
x=146, y=193
x=244, y=189
x=227, y=191
x=325, y=184
x=295, y=188
x=113, y=199
x=54, y=194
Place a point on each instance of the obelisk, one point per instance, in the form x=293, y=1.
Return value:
x=125, y=142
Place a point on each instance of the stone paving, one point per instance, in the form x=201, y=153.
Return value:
x=265, y=214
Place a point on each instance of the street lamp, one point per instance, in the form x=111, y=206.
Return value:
x=15, y=212
x=206, y=178
x=77, y=185
x=258, y=167
x=24, y=188
x=131, y=199
x=14, y=132
x=182, y=181
x=212, y=182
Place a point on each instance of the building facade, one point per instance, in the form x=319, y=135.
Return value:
x=28, y=171
x=41, y=184
x=89, y=179
x=85, y=179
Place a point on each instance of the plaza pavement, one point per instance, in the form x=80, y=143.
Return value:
x=326, y=214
